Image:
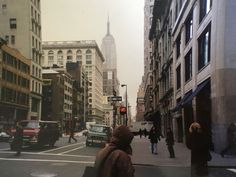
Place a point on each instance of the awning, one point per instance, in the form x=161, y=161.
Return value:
x=196, y=91
x=180, y=103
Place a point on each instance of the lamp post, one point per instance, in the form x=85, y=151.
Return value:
x=126, y=103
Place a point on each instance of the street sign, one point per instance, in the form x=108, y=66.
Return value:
x=114, y=98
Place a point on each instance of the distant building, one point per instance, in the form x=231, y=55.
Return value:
x=89, y=56
x=110, y=80
x=21, y=28
x=140, y=107
x=57, y=88
x=14, y=85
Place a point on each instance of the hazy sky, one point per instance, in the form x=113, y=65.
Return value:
x=66, y=20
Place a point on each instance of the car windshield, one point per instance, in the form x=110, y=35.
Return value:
x=99, y=129
x=27, y=124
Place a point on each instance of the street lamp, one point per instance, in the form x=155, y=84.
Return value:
x=126, y=103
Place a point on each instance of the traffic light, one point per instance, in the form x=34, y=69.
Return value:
x=123, y=110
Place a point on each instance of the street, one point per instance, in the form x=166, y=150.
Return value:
x=70, y=160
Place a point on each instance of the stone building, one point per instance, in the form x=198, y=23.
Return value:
x=22, y=30
x=89, y=56
x=14, y=86
x=203, y=64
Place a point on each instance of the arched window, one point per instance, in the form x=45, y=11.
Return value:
x=69, y=57
x=50, y=57
x=88, y=57
x=60, y=57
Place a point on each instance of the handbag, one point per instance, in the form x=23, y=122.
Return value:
x=92, y=171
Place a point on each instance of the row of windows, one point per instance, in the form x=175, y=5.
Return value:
x=204, y=48
x=10, y=39
x=36, y=87
x=36, y=56
x=14, y=96
x=36, y=71
x=14, y=78
x=36, y=3
x=14, y=62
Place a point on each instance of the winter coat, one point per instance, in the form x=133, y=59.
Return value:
x=18, y=138
x=154, y=136
x=169, y=138
x=199, y=145
x=114, y=159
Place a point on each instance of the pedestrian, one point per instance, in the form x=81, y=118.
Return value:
x=72, y=132
x=170, y=142
x=200, y=146
x=231, y=132
x=114, y=160
x=145, y=132
x=140, y=133
x=154, y=137
x=18, y=139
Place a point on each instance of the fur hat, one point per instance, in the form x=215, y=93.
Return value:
x=193, y=126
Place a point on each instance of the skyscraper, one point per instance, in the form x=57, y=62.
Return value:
x=110, y=80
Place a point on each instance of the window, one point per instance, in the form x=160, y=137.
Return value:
x=7, y=39
x=188, y=66
x=13, y=40
x=50, y=58
x=59, y=57
x=13, y=23
x=69, y=56
x=204, y=48
x=178, y=42
x=4, y=6
x=178, y=77
x=189, y=28
x=205, y=6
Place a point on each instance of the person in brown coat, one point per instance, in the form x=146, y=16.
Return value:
x=114, y=160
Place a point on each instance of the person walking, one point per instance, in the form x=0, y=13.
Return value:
x=18, y=139
x=199, y=145
x=72, y=133
x=145, y=132
x=114, y=160
x=154, y=137
x=140, y=133
x=170, y=142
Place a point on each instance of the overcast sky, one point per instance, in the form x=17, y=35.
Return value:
x=66, y=20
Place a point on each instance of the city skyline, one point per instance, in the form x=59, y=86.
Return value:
x=75, y=21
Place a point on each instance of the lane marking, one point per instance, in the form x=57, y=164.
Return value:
x=232, y=169
x=47, y=154
x=4, y=149
x=50, y=150
x=47, y=160
x=81, y=147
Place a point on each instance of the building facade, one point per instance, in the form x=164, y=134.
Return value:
x=203, y=64
x=22, y=30
x=147, y=80
x=89, y=56
x=14, y=86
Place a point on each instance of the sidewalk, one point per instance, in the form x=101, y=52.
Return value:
x=142, y=155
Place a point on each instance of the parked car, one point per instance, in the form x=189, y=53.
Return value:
x=4, y=137
x=39, y=133
x=98, y=135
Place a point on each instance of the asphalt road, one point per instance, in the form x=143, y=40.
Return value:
x=70, y=160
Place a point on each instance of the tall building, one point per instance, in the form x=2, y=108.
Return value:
x=204, y=68
x=88, y=54
x=110, y=80
x=147, y=80
x=21, y=28
x=14, y=86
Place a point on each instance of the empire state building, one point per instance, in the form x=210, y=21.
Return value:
x=110, y=81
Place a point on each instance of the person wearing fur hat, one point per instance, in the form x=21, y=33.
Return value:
x=114, y=160
x=199, y=145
